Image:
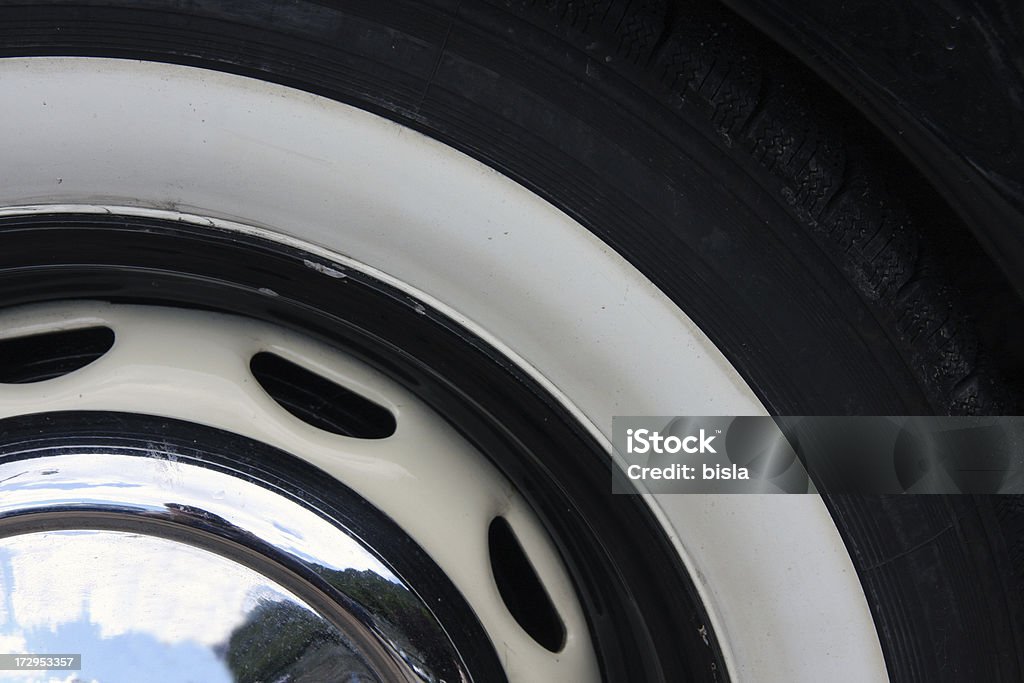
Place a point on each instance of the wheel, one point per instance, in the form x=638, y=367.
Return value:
x=530, y=217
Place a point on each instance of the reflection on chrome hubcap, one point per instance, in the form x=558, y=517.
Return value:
x=172, y=607
x=151, y=565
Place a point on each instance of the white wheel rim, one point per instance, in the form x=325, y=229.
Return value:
x=194, y=366
x=237, y=152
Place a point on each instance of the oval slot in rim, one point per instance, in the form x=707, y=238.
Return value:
x=318, y=401
x=48, y=355
x=521, y=589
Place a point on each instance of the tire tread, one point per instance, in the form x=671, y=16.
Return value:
x=765, y=114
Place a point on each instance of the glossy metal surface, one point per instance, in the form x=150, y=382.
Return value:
x=156, y=568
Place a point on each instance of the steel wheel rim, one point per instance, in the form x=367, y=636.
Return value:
x=416, y=477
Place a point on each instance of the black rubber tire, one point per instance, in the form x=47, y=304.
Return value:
x=785, y=227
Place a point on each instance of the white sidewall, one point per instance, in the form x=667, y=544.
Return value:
x=83, y=134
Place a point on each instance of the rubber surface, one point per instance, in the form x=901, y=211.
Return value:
x=830, y=276
x=910, y=70
x=730, y=183
x=820, y=161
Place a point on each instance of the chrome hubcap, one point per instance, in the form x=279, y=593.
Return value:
x=146, y=560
